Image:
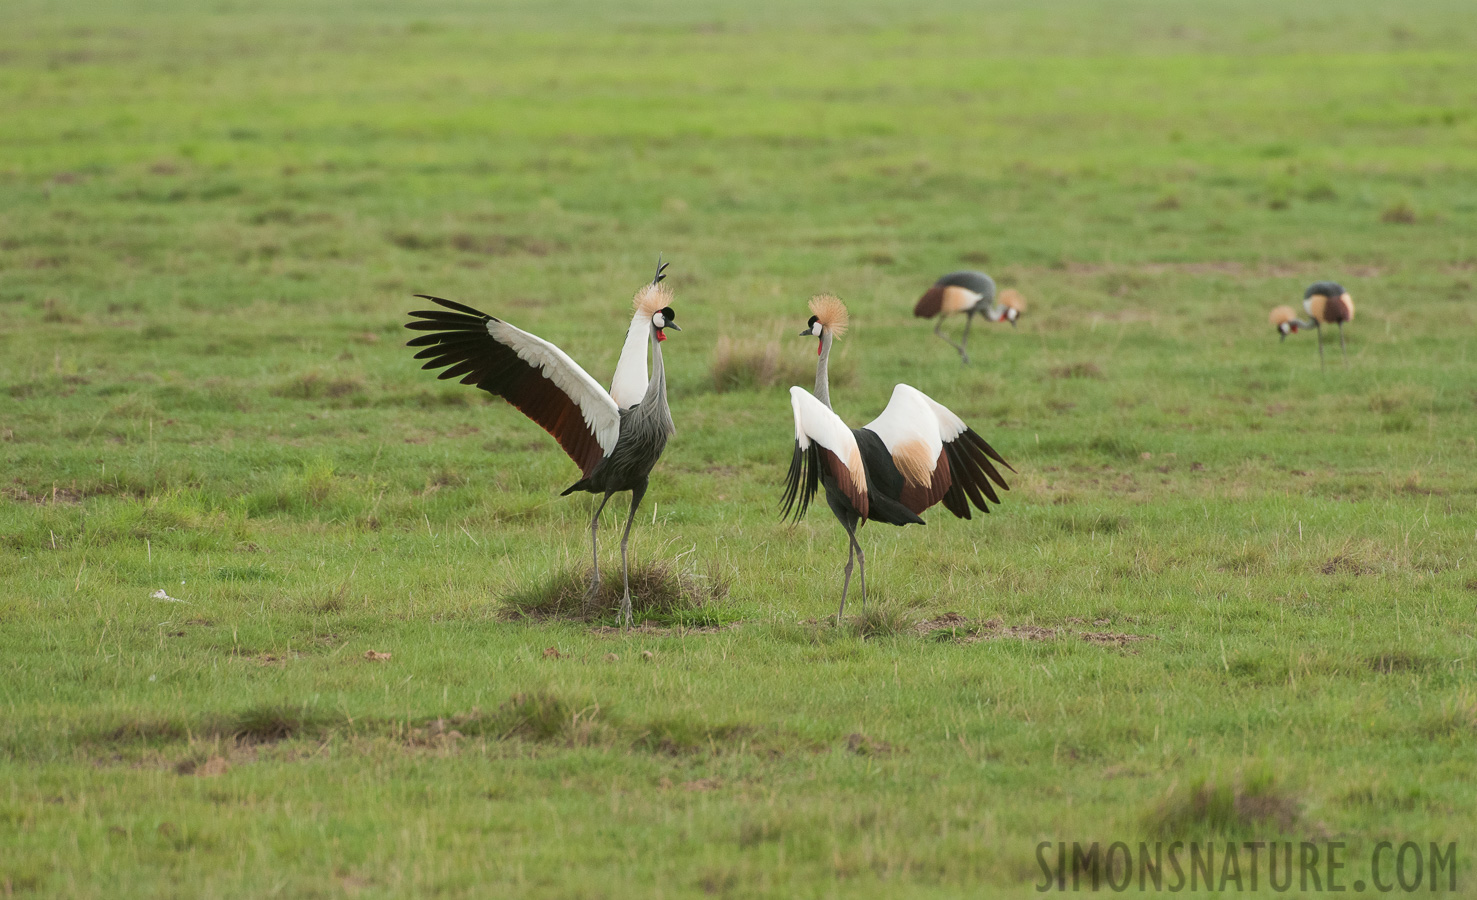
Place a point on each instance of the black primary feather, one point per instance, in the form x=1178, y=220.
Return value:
x=802, y=481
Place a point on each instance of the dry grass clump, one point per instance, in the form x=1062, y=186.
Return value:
x=318, y=386
x=748, y=366
x=1244, y=805
x=660, y=590
x=1077, y=370
x=1401, y=213
x=883, y=620
x=538, y=716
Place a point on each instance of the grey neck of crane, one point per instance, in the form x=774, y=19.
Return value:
x=656, y=388
x=822, y=376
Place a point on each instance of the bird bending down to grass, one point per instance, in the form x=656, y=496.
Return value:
x=614, y=437
x=907, y=459
x=972, y=293
x=1326, y=303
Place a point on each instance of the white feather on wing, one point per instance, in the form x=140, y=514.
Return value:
x=814, y=422
x=595, y=405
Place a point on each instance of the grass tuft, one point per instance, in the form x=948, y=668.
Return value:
x=1244, y=805
x=317, y=386
x=749, y=366
x=1078, y=370
x=660, y=591
x=676, y=735
x=1401, y=213
x=883, y=620
x=534, y=716
x=1457, y=717
x=148, y=731
x=269, y=724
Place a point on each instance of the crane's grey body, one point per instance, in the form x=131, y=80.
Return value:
x=645, y=429
x=978, y=282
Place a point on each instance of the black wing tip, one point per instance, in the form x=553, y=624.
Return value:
x=661, y=270
x=449, y=304
x=990, y=452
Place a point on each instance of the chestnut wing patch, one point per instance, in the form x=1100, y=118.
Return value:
x=931, y=303
x=822, y=440
x=527, y=371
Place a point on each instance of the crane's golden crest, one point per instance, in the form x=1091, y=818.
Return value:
x=1281, y=314
x=830, y=312
x=1010, y=297
x=652, y=298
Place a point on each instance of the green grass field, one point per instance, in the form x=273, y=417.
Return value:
x=1228, y=595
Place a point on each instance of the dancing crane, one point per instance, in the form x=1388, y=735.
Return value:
x=971, y=293
x=615, y=437
x=907, y=459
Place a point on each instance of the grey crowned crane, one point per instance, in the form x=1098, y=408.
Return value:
x=972, y=293
x=907, y=459
x=1326, y=303
x=615, y=438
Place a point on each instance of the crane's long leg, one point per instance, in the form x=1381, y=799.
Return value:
x=846, y=583
x=937, y=332
x=1319, y=329
x=963, y=351
x=636, y=494
x=862, y=559
x=1342, y=351
x=595, y=548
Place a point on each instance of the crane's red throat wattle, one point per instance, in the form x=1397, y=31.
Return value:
x=661, y=336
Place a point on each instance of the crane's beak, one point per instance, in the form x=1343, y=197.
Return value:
x=673, y=326
x=1012, y=323
x=806, y=333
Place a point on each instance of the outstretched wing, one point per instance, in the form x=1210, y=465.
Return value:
x=527, y=371
x=821, y=439
x=939, y=456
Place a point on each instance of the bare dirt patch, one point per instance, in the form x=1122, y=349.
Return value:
x=955, y=627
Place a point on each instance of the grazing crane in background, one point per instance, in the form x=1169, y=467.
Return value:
x=1286, y=321
x=907, y=459
x=1326, y=303
x=972, y=293
x=615, y=438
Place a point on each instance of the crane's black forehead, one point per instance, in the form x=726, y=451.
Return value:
x=813, y=320
x=667, y=313
x=1326, y=288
